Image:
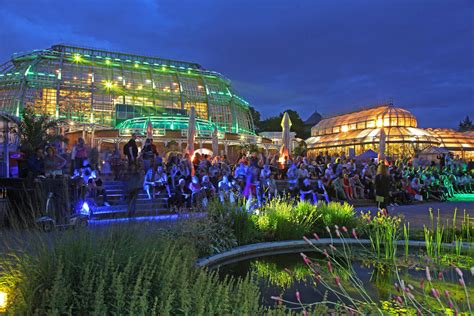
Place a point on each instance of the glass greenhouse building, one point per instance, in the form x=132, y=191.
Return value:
x=117, y=91
x=360, y=130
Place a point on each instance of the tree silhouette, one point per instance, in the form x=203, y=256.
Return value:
x=37, y=131
x=466, y=125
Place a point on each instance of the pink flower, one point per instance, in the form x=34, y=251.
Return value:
x=288, y=271
x=328, y=230
x=276, y=298
x=435, y=293
x=399, y=299
x=330, y=266
x=344, y=229
x=325, y=253
x=458, y=271
x=354, y=233
x=451, y=305
x=316, y=236
x=338, y=281
x=305, y=313
x=461, y=282
x=440, y=276
x=428, y=275
x=422, y=283
x=410, y=287
x=332, y=247
x=298, y=296
x=338, y=234
x=305, y=258
x=307, y=240
x=446, y=293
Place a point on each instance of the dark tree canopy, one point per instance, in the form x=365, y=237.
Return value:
x=466, y=125
x=256, y=118
x=273, y=124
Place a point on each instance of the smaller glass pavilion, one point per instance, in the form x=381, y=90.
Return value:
x=361, y=131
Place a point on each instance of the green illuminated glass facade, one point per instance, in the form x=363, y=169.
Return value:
x=107, y=88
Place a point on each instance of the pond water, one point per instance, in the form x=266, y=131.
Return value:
x=282, y=275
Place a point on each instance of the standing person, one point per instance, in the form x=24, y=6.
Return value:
x=94, y=158
x=382, y=186
x=134, y=185
x=148, y=154
x=79, y=154
x=131, y=150
x=115, y=161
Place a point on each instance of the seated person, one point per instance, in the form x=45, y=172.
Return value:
x=161, y=181
x=53, y=163
x=320, y=189
x=155, y=182
x=306, y=191
x=339, y=188
x=292, y=176
x=208, y=187
x=149, y=183
x=182, y=195
x=96, y=188
x=240, y=174
x=78, y=185
x=226, y=190
x=197, y=194
x=347, y=187
x=357, y=187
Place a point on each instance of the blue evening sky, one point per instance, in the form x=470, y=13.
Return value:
x=332, y=56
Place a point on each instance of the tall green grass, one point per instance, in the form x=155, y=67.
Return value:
x=336, y=214
x=119, y=271
x=282, y=220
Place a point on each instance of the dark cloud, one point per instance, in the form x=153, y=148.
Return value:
x=332, y=56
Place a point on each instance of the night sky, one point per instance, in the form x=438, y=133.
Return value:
x=332, y=56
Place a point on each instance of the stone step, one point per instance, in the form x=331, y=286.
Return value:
x=119, y=211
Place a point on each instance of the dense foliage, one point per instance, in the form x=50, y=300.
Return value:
x=37, y=131
x=281, y=219
x=120, y=271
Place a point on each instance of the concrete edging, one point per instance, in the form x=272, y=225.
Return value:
x=279, y=247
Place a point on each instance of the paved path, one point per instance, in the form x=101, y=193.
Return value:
x=418, y=214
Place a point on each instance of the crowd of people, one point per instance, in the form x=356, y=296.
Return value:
x=190, y=181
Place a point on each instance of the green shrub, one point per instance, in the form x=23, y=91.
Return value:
x=234, y=216
x=336, y=214
x=282, y=220
x=120, y=271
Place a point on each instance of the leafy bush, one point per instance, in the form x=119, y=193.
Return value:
x=210, y=235
x=120, y=271
x=336, y=214
x=234, y=216
x=281, y=220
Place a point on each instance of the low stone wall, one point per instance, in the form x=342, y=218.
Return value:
x=279, y=247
